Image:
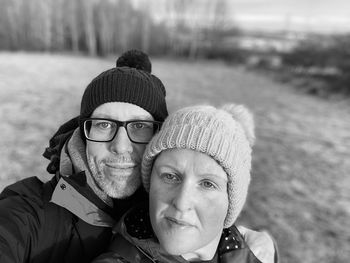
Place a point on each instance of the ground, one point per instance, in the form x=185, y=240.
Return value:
x=300, y=189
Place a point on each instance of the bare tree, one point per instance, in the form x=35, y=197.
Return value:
x=146, y=25
x=72, y=23
x=188, y=20
x=45, y=23
x=89, y=25
x=220, y=15
x=196, y=17
x=104, y=37
x=176, y=10
x=124, y=24
x=58, y=24
x=10, y=23
x=218, y=22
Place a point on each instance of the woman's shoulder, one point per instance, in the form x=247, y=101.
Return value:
x=248, y=245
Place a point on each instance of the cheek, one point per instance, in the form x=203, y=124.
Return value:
x=158, y=197
x=213, y=211
x=96, y=151
x=155, y=207
x=138, y=150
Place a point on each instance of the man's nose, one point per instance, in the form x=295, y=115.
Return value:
x=121, y=142
x=183, y=198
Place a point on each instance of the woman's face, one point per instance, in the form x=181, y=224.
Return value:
x=188, y=201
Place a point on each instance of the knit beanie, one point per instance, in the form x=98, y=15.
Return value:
x=225, y=134
x=130, y=81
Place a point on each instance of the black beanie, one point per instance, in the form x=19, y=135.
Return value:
x=130, y=81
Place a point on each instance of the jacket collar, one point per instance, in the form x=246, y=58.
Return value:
x=65, y=195
x=77, y=193
x=136, y=228
x=73, y=191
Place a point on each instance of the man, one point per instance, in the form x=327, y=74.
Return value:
x=69, y=219
x=96, y=159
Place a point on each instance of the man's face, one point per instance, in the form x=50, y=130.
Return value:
x=115, y=166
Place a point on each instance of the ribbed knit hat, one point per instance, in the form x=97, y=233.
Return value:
x=130, y=81
x=225, y=134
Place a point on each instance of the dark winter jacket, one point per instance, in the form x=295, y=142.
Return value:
x=135, y=242
x=61, y=220
x=34, y=228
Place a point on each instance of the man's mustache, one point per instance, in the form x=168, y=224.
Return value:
x=120, y=159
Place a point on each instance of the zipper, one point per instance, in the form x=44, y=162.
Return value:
x=147, y=255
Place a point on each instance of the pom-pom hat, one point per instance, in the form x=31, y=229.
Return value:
x=225, y=134
x=130, y=81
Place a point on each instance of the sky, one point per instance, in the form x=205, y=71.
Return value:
x=323, y=16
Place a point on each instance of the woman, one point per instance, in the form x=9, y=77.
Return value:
x=197, y=172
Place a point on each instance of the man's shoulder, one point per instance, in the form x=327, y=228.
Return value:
x=31, y=196
x=30, y=188
x=28, y=200
x=29, y=223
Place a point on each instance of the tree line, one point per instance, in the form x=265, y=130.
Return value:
x=100, y=27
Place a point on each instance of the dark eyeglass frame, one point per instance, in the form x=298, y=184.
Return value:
x=119, y=124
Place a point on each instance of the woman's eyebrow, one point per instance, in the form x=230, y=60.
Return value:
x=213, y=176
x=173, y=167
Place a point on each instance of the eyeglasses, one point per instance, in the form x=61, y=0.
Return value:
x=104, y=130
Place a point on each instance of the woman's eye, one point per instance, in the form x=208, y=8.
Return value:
x=208, y=185
x=170, y=178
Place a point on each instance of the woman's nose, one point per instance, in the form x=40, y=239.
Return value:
x=183, y=198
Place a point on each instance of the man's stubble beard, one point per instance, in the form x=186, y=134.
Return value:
x=114, y=188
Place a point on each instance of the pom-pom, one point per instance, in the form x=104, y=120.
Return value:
x=135, y=59
x=241, y=114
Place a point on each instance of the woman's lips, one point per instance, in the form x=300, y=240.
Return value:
x=179, y=222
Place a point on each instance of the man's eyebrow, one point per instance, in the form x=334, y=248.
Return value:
x=142, y=117
x=132, y=117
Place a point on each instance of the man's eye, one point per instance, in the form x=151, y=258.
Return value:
x=140, y=125
x=103, y=125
